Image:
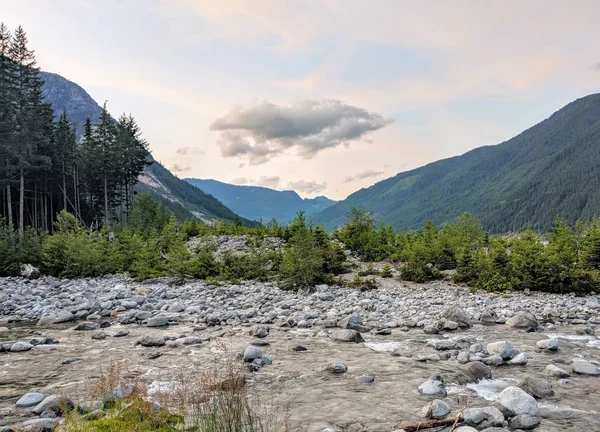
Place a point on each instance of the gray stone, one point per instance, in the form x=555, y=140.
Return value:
x=488, y=316
x=585, y=368
x=99, y=335
x=251, y=353
x=40, y=425
x=556, y=372
x=260, y=331
x=21, y=347
x=364, y=379
x=502, y=348
x=523, y=320
x=354, y=322
x=518, y=401
x=432, y=388
x=176, y=307
x=473, y=416
x=524, y=421
x=493, y=417
x=494, y=360
x=87, y=326
x=463, y=357
x=436, y=409
x=456, y=314
x=536, y=387
x=552, y=344
x=29, y=271
x=55, y=403
x=430, y=329
x=30, y=399
x=465, y=429
x=478, y=371
x=151, y=340
x=518, y=360
x=58, y=317
x=347, y=336
x=337, y=368
x=158, y=321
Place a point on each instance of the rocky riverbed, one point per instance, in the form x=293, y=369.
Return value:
x=341, y=359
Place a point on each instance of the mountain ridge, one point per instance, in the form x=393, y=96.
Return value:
x=260, y=202
x=179, y=196
x=490, y=181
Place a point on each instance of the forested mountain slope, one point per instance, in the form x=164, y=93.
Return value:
x=256, y=202
x=551, y=170
x=181, y=197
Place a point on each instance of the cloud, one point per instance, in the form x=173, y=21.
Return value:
x=266, y=130
x=265, y=181
x=363, y=175
x=184, y=151
x=307, y=187
x=176, y=168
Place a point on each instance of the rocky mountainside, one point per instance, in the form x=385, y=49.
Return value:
x=549, y=171
x=181, y=197
x=256, y=202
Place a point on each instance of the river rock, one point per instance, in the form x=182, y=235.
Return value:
x=58, y=317
x=21, y=347
x=158, y=321
x=347, y=336
x=456, y=314
x=523, y=320
x=473, y=416
x=436, y=409
x=585, y=368
x=87, y=326
x=252, y=353
x=502, y=348
x=30, y=399
x=354, y=322
x=478, y=371
x=556, y=372
x=259, y=332
x=536, y=387
x=364, y=379
x=432, y=388
x=151, y=340
x=525, y=422
x=518, y=401
x=518, y=360
x=465, y=429
x=337, y=368
x=54, y=403
x=552, y=344
x=40, y=425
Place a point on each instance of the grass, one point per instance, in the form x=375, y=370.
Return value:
x=214, y=401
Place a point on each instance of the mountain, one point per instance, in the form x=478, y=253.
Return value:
x=549, y=171
x=256, y=202
x=181, y=197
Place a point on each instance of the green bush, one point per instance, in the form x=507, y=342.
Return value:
x=386, y=271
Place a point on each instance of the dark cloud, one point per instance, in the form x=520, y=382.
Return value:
x=266, y=129
x=363, y=175
x=176, y=168
x=308, y=187
x=184, y=151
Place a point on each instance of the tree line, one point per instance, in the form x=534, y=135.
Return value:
x=44, y=169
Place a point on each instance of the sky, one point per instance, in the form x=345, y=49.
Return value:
x=324, y=97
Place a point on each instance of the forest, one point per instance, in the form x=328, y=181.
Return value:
x=44, y=169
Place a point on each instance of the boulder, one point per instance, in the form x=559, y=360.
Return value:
x=456, y=314
x=151, y=340
x=556, y=372
x=40, y=425
x=488, y=316
x=585, y=368
x=518, y=360
x=259, y=332
x=536, y=387
x=524, y=421
x=251, y=353
x=87, y=326
x=59, y=316
x=477, y=371
x=436, y=409
x=347, y=336
x=503, y=348
x=21, y=347
x=29, y=271
x=523, y=320
x=473, y=416
x=551, y=344
x=176, y=307
x=518, y=401
x=30, y=399
x=337, y=368
x=158, y=321
x=432, y=388
x=54, y=403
